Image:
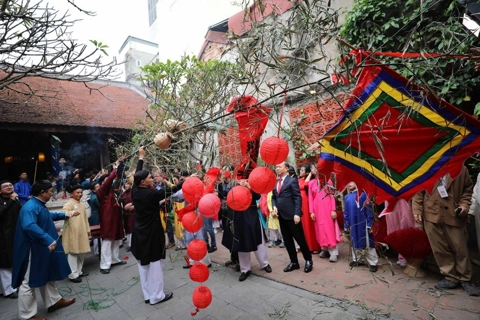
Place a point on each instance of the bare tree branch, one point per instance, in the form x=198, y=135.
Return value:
x=36, y=40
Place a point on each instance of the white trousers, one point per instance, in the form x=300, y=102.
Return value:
x=275, y=235
x=110, y=251
x=245, y=258
x=151, y=280
x=27, y=299
x=129, y=239
x=333, y=251
x=371, y=256
x=75, y=261
x=6, y=282
x=95, y=246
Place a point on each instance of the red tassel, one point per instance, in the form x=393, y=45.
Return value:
x=194, y=313
x=187, y=260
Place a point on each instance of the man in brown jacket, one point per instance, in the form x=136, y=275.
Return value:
x=444, y=214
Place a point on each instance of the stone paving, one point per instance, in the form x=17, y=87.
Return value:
x=388, y=292
x=330, y=291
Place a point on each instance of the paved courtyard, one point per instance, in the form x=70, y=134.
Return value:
x=330, y=291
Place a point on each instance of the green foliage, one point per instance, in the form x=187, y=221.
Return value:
x=407, y=26
x=100, y=46
x=193, y=92
x=189, y=88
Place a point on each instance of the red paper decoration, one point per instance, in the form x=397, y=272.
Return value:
x=274, y=150
x=197, y=249
x=202, y=297
x=239, y=198
x=209, y=205
x=199, y=272
x=192, y=189
x=410, y=243
x=262, y=180
x=192, y=222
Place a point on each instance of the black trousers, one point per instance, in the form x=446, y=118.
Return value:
x=291, y=231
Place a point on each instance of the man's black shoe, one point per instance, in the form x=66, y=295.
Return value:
x=188, y=266
x=308, y=266
x=84, y=274
x=13, y=295
x=268, y=268
x=119, y=263
x=356, y=264
x=291, y=266
x=244, y=275
x=147, y=301
x=105, y=271
x=212, y=249
x=168, y=296
x=76, y=280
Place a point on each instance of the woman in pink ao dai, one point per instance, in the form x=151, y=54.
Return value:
x=323, y=211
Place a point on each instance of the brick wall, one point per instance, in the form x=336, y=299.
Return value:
x=319, y=117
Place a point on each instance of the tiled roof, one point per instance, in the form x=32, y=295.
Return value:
x=66, y=103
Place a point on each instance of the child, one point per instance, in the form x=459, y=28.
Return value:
x=76, y=233
x=273, y=224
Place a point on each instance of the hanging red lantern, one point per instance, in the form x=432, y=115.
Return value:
x=192, y=222
x=197, y=249
x=262, y=180
x=274, y=150
x=202, y=297
x=239, y=198
x=192, y=189
x=209, y=205
x=199, y=272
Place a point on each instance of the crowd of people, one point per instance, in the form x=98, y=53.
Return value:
x=139, y=209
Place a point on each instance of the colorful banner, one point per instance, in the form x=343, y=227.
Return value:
x=395, y=138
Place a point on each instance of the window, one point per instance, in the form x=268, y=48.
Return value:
x=139, y=63
x=152, y=11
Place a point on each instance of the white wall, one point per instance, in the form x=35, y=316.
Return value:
x=182, y=24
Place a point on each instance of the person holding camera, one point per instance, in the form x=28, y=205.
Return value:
x=444, y=214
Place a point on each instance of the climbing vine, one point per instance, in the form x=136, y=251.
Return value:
x=429, y=26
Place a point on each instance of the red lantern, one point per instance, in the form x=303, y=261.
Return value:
x=202, y=297
x=209, y=205
x=239, y=198
x=199, y=272
x=197, y=249
x=262, y=180
x=274, y=150
x=192, y=222
x=192, y=189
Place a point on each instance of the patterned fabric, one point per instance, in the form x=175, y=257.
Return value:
x=395, y=138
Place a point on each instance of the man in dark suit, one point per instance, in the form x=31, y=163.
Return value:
x=287, y=205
